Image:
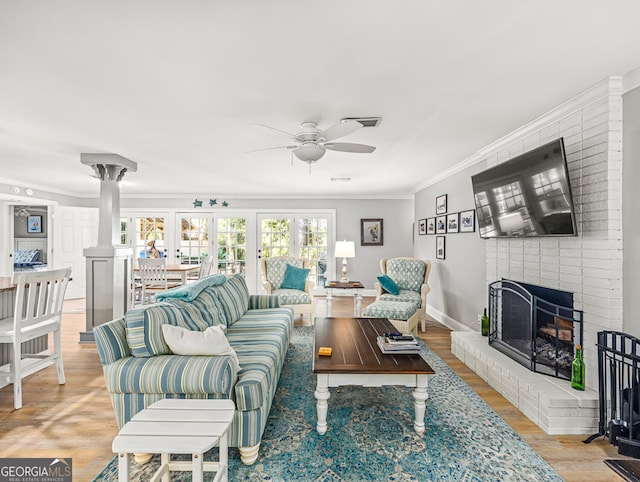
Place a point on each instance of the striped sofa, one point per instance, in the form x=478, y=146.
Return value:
x=139, y=368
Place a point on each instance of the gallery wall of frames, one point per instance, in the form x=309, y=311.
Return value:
x=445, y=222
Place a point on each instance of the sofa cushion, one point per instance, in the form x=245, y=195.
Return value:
x=294, y=278
x=144, y=327
x=172, y=374
x=388, y=284
x=210, y=342
x=234, y=298
x=205, y=307
x=407, y=273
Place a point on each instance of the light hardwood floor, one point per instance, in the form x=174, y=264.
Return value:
x=76, y=420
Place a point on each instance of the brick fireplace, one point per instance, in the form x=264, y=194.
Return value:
x=588, y=265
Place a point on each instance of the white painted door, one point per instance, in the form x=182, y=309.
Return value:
x=74, y=228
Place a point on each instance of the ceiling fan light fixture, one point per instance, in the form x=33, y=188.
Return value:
x=309, y=152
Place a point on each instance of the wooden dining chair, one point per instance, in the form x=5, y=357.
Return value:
x=37, y=312
x=206, y=267
x=153, y=278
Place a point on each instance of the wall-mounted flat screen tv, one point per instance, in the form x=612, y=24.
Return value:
x=529, y=195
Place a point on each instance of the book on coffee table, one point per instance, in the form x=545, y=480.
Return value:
x=397, y=347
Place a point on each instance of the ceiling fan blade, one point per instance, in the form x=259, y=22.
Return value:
x=271, y=148
x=349, y=147
x=341, y=129
x=273, y=129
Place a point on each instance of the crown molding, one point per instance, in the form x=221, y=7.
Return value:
x=631, y=80
x=611, y=86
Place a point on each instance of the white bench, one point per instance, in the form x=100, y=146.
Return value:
x=178, y=426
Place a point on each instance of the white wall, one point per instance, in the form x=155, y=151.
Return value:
x=456, y=282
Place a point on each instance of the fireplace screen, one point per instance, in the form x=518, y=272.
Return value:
x=535, y=326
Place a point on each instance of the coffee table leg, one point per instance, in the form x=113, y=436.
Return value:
x=322, y=395
x=420, y=396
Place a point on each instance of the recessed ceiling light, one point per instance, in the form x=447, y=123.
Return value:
x=15, y=190
x=28, y=191
x=340, y=179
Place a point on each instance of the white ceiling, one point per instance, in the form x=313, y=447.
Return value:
x=177, y=85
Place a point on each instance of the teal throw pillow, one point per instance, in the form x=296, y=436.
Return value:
x=294, y=278
x=388, y=284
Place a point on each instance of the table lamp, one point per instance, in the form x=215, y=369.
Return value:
x=345, y=249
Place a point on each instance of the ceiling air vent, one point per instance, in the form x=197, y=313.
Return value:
x=365, y=121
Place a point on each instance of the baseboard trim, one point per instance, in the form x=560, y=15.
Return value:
x=447, y=321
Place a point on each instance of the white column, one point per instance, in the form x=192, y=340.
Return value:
x=108, y=263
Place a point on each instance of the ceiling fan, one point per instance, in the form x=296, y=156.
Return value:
x=311, y=143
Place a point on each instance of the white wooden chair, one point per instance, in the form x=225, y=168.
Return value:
x=37, y=312
x=153, y=278
x=206, y=267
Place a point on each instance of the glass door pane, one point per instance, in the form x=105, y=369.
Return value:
x=275, y=235
x=194, y=238
x=231, y=245
x=149, y=237
x=312, y=235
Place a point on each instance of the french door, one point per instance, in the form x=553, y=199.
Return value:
x=303, y=235
x=235, y=240
x=222, y=237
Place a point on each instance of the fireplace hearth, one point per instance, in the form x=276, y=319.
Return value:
x=535, y=326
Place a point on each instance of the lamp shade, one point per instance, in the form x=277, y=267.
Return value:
x=345, y=249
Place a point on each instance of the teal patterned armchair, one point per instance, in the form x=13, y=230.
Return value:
x=273, y=275
x=412, y=277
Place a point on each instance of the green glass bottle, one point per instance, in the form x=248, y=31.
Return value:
x=577, y=370
x=484, y=321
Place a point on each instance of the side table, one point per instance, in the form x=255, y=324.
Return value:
x=178, y=426
x=354, y=288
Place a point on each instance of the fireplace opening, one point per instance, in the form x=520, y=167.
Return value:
x=534, y=325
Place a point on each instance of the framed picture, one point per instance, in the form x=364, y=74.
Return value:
x=468, y=221
x=431, y=225
x=441, y=224
x=452, y=223
x=34, y=224
x=440, y=247
x=422, y=226
x=441, y=204
x=371, y=232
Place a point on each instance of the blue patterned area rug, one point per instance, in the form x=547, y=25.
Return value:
x=371, y=436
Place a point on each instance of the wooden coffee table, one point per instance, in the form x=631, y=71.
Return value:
x=357, y=360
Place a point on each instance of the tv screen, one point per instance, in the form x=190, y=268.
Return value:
x=529, y=195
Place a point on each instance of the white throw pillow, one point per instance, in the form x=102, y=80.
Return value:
x=211, y=341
